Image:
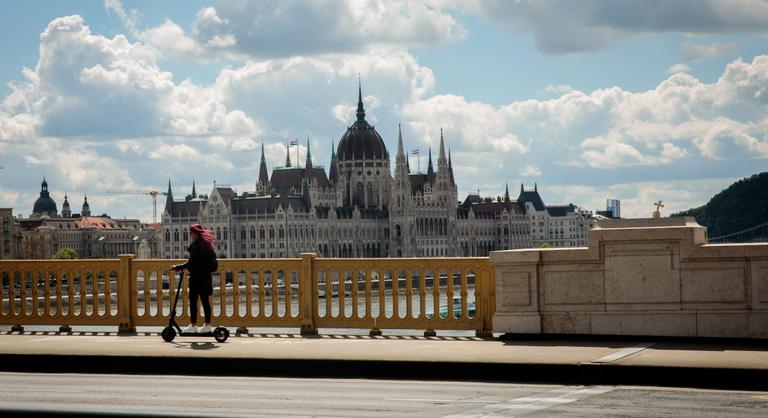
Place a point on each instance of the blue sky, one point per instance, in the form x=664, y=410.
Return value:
x=591, y=100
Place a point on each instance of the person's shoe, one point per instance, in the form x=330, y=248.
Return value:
x=204, y=329
x=190, y=329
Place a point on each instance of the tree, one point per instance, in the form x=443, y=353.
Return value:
x=65, y=253
x=544, y=245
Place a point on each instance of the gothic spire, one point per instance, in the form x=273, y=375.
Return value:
x=430, y=168
x=360, y=110
x=441, y=157
x=288, y=156
x=263, y=174
x=450, y=167
x=194, y=193
x=308, y=163
x=333, y=173
x=506, y=194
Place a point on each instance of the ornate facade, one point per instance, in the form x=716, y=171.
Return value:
x=359, y=209
x=45, y=232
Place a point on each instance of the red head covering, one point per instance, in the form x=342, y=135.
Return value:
x=205, y=236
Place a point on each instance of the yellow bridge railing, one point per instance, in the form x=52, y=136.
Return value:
x=307, y=293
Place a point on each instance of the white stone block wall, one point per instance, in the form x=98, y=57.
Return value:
x=636, y=277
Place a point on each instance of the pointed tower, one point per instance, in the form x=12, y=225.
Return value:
x=333, y=174
x=169, y=198
x=263, y=174
x=506, y=194
x=430, y=168
x=450, y=168
x=86, y=207
x=287, y=156
x=194, y=192
x=66, y=212
x=401, y=161
x=360, y=110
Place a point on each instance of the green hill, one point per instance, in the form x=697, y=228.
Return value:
x=742, y=205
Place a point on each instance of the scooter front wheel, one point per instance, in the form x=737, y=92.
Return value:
x=168, y=334
x=221, y=334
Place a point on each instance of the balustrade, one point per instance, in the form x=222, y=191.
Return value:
x=307, y=293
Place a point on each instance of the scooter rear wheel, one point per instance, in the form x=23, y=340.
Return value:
x=221, y=334
x=168, y=334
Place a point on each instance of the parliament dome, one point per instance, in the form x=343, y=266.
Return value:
x=361, y=141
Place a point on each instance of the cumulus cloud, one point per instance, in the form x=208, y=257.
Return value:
x=696, y=52
x=530, y=170
x=300, y=28
x=591, y=25
x=678, y=68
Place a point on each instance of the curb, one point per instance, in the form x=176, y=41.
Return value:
x=577, y=374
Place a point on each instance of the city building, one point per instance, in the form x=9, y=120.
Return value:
x=359, y=209
x=45, y=232
x=10, y=238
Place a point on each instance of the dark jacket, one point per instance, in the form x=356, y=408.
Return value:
x=200, y=278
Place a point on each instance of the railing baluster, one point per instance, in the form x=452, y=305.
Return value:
x=368, y=292
x=464, y=294
x=329, y=293
x=262, y=294
x=248, y=294
x=449, y=293
x=287, y=282
x=355, y=294
x=275, y=294
x=395, y=277
x=422, y=294
x=343, y=293
x=409, y=294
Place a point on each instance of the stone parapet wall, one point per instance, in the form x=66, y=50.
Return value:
x=636, y=277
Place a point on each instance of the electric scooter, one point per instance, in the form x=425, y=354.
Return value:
x=169, y=333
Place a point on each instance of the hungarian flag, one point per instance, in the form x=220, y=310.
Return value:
x=295, y=141
x=415, y=151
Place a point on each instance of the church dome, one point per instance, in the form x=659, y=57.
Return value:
x=361, y=141
x=45, y=205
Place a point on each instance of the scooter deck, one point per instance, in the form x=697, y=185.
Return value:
x=195, y=334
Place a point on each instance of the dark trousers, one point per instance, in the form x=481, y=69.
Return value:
x=193, y=295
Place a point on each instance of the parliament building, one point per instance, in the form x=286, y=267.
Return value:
x=360, y=209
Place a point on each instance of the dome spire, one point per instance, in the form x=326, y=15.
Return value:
x=360, y=110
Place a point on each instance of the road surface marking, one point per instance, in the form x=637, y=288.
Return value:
x=536, y=402
x=610, y=358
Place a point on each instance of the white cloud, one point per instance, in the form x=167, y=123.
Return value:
x=561, y=88
x=178, y=151
x=637, y=198
x=530, y=170
x=696, y=52
x=678, y=68
x=564, y=26
x=130, y=19
x=299, y=28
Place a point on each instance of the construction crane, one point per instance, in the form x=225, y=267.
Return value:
x=152, y=193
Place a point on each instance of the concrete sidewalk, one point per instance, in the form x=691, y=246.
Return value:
x=722, y=364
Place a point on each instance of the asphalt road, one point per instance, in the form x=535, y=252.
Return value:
x=185, y=395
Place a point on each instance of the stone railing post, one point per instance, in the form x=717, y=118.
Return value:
x=126, y=287
x=485, y=301
x=307, y=295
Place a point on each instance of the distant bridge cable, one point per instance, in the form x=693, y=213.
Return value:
x=733, y=234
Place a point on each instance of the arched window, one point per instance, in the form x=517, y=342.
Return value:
x=359, y=194
x=225, y=232
x=218, y=233
x=271, y=233
x=369, y=194
x=242, y=233
x=253, y=234
x=261, y=233
x=175, y=234
x=167, y=234
x=280, y=233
